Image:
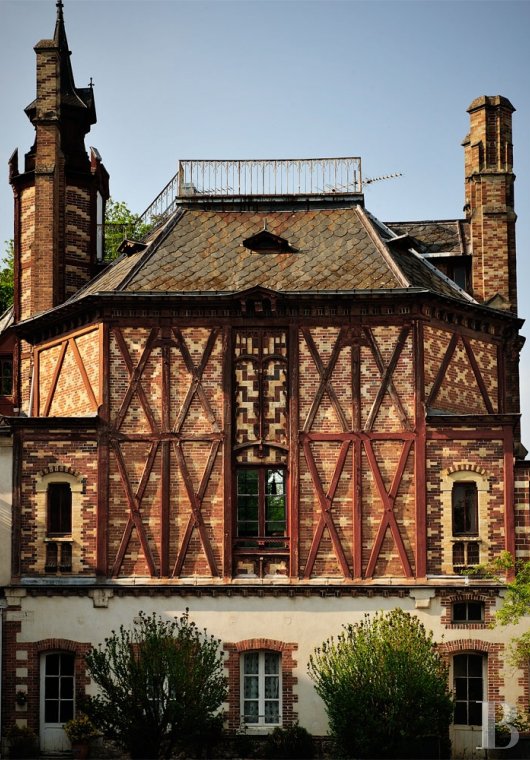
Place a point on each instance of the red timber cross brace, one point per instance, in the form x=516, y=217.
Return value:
x=360, y=437
x=161, y=438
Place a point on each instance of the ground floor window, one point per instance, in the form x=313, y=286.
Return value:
x=261, y=688
x=468, y=679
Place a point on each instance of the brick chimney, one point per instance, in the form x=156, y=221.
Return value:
x=56, y=194
x=490, y=201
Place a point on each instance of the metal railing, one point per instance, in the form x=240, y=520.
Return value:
x=261, y=178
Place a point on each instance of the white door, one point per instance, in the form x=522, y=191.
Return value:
x=469, y=684
x=56, y=700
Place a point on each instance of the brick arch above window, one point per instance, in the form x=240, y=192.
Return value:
x=289, y=680
x=493, y=651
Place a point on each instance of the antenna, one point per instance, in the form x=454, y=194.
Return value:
x=369, y=180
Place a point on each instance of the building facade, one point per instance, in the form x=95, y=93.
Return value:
x=275, y=410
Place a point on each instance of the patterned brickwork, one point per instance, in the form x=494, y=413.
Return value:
x=448, y=598
x=289, y=681
x=22, y=662
x=448, y=462
x=69, y=376
x=522, y=510
x=68, y=460
x=260, y=406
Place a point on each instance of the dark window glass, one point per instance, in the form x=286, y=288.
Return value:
x=51, y=558
x=468, y=612
x=59, y=509
x=465, y=509
x=261, y=505
x=6, y=376
x=472, y=553
x=458, y=554
x=468, y=689
x=58, y=688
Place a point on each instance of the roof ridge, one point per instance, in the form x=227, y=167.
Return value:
x=152, y=248
x=366, y=219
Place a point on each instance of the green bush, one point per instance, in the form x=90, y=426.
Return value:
x=161, y=686
x=290, y=742
x=385, y=688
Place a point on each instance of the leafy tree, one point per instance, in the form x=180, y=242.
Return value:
x=6, y=276
x=516, y=602
x=121, y=223
x=385, y=688
x=161, y=685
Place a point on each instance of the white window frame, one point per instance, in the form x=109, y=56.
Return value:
x=261, y=725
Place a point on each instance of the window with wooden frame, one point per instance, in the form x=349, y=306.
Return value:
x=261, y=504
x=59, y=509
x=468, y=612
x=6, y=375
x=465, y=509
x=261, y=689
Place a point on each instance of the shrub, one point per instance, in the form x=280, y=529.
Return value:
x=161, y=686
x=385, y=688
x=290, y=742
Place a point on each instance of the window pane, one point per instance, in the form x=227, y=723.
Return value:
x=272, y=662
x=251, y=713
x=460, y=665
x=251, y=661
x=458, y=554
x=272, y=714
x=59, y=508
x=247, y=481
x=275, y=482
x=51, y=688
x=51, y=712
x=67, y=688
x=459, y=611
x=67, y=711
x=461, y=713
x=465, y=512
x=461, y=688
x=52, y=664
x=475, y=714
x=475, y=688
x=272, y=687
x=475, y=611
x=251, y=687
x=475, y=665
x=472, y=553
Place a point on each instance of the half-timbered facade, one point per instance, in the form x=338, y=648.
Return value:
x=275, y=410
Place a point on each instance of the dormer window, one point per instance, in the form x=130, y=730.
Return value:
x=266, y=242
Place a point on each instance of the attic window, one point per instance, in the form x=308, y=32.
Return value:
x=267, y=242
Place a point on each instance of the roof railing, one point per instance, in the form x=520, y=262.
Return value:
x=257, y=178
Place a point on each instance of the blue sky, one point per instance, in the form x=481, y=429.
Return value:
x=387, y=80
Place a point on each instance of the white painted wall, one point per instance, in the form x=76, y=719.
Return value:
x=305, y=620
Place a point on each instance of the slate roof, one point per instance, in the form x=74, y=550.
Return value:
x=449, y=237
x=337, y=249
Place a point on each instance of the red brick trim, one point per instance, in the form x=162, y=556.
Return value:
x=31, y=683
x=289, y=681
x=494, y=652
